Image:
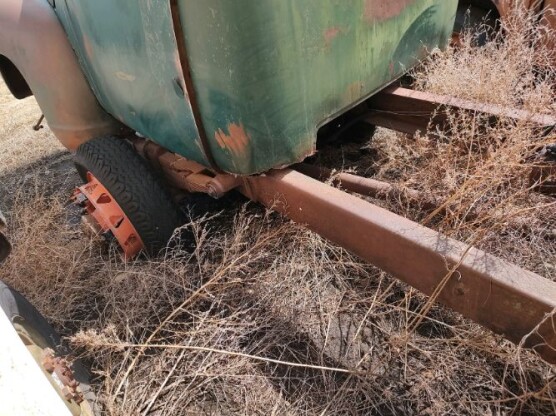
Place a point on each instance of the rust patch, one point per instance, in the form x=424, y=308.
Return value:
x=330, y=35
x=379, y=10
x=236, y=141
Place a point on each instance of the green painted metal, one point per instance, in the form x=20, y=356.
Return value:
x=128, y=52
x=266, y=73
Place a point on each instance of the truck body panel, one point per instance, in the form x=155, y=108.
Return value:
x=37, y=58
x=265, y=74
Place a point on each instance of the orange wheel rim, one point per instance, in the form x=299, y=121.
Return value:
x=107, y=213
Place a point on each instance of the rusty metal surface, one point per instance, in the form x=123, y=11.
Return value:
x=184, y=174
x=410, y=111
x=252, y=89
x=32, y=38
x=368, y=186
x=513, y=302
x=130, y=55
x=505, y=7
x=99, y=204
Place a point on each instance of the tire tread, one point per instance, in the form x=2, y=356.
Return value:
x=136, y=188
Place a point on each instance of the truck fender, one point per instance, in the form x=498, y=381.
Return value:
x=37, y=58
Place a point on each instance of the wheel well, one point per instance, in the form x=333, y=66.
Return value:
x=487, y=5
x=14, y=79
x=478, y=14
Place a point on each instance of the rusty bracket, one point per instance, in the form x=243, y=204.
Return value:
x=511, y=301
x=186, y=174
x=410, y=111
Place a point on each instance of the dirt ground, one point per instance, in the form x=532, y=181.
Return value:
x=26, y=153
x=265, y=317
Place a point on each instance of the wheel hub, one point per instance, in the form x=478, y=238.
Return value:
x=57, y=369
x=107, y=215
x=60, y=370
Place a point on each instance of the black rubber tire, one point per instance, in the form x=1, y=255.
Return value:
x=16, y=307
x=134, y=185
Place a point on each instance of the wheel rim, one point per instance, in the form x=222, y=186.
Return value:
x=55, y=369
x=107, y=215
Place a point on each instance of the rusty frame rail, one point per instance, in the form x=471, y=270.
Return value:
x=501, y=296
x=511, y=301
x=368, y=186
x=410, y=111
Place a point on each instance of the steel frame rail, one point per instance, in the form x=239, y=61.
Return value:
x=410, y=111
x=511, y=301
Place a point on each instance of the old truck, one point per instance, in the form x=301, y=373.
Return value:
x=216, y=96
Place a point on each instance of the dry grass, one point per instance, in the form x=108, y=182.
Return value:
x=21, y=145
x=478, y=171
x=241, y=325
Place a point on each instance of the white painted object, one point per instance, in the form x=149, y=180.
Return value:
x=24, y=388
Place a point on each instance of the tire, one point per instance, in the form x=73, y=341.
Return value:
x=20, y=310
x=134, y=186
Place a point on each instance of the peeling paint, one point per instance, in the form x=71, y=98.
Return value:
x=262, y=82
x=236, y=141
x=124, y=76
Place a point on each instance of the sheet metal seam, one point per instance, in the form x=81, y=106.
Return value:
x=189, y=85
